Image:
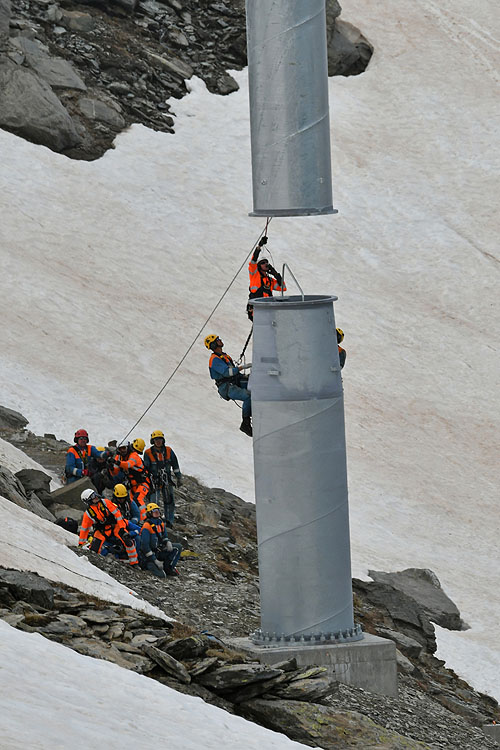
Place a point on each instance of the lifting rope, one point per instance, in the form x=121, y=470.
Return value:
x=264, y=232
x=246, y=344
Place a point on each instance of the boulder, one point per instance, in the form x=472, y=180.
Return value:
x=424, y=587
x=70, y=493
x=203, y=666
x=255, y=689
x=11, y=488
x=406, y=644
x=171, y=64
x=226, y=85
x=29, y=108
x=34, y=480
x=321, y=726
x=10, y=419
x=205, y=515
x=186, y=648
x=100, y=616
x=99, y=650
x=348, y=51
x=404, y=664
x=234, y=676
x=77, y=21
x=95, y=109
x=312, y=689
x=63, y=511
x=35, y=505
x=168, y=663
x=58, y=73
x=29, y=587
x=407, y=615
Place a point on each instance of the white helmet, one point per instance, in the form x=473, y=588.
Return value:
x=89, y=496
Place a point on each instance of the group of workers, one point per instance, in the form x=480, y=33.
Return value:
x=231, y=382
x=130, y=524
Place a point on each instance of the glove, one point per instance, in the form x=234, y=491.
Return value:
x=179, y=481
x=263, y=241
x=169, y=546
x=158, y=564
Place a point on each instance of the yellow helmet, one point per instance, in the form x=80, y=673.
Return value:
x=156, y=434
x=119, y=490
x=138, y=445
x=340, y=335
x=100, y=448
x=150, y=507
x=210, y=340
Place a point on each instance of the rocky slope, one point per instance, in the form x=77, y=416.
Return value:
x=217, y=592
x=74, y=74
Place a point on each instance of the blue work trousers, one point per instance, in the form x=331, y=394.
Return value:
x=232, y=392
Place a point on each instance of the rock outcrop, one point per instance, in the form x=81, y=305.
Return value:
x=424, y=587
x=110, y=63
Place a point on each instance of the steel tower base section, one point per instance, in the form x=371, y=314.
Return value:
x=300, y=474
x=289, y=116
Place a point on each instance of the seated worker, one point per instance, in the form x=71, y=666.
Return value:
x=78, y=457
x=263, y=278
x=161, y=462
x=128, y=460
x=107, y=522
x=230, y=384
x=157, y=553
x=342, y=352
x=127, y=507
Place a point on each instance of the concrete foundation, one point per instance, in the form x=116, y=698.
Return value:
x=369, y=664
x=493, y=731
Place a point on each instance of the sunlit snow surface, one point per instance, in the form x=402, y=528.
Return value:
x=53, y=699
x=111, y=267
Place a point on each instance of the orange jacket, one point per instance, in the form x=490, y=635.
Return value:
x=105, y=515
x=261, y=284
x=133, y=467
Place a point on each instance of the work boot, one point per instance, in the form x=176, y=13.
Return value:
x=246, y=426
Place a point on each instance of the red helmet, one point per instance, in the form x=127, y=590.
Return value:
x=81, y=433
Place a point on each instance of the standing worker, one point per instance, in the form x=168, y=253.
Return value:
x=128, y=460
x=263, y=278
x=230, y=384
x=108, y=524
x=160, y=462
x=78, y=457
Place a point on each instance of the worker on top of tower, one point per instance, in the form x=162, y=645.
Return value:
x=230, y=383
x=342, y=352
x=263, y=278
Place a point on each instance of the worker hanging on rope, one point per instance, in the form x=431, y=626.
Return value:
x=263, y=278
x=232, y=386
x=342, y=352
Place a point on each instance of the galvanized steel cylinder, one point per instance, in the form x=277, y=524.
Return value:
x=289, y=119
x=300, y=473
